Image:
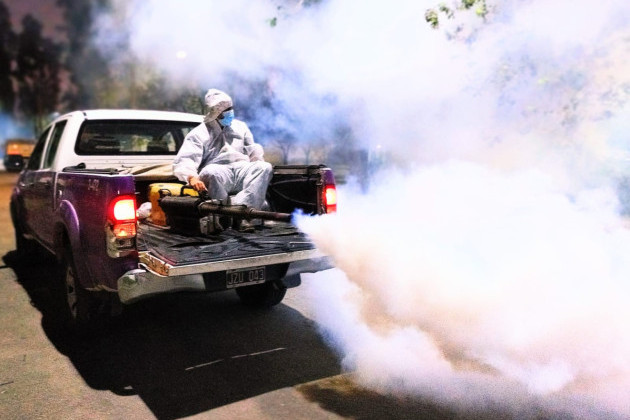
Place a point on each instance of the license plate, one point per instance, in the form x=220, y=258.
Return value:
x=245, y=277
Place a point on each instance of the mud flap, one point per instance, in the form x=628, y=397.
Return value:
x=292, y=280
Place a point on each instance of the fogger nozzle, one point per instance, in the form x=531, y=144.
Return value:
x=197, y=207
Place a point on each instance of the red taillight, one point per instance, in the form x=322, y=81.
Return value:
x=121, y=230
x=123, y=209
x=330, y=198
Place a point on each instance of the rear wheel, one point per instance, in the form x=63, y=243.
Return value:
x=263, y=295
x=80, y=306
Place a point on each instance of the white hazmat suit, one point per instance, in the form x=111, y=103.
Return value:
x=225, y=158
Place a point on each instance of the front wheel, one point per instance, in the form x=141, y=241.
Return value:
x=24, y=247
x=263, y=295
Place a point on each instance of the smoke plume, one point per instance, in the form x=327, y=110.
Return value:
x=490, y=265
x=471, y=285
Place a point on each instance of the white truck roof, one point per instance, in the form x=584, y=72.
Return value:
x=66, y=155
x=135, y=114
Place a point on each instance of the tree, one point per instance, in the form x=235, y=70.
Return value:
x=37, y=73
x=285, y=145
x=432, y=16
x=86, y=64
x=7, y=55
x=111, y=76
x=189, y=100
x=285, y=8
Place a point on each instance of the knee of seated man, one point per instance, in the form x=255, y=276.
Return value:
x=206, y=172
x=264, y=166
x=209, y=173
x=260, y=167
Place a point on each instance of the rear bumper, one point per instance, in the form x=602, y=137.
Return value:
x=142, y=283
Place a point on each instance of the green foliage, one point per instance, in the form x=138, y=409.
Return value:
x=433, y=15
x=446, y=10
x=286, y=8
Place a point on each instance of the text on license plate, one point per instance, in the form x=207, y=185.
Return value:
x=244, y=277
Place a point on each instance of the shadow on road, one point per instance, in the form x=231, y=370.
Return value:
x=342, y=396
x=186, y=354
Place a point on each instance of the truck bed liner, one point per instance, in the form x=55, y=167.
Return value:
x=178, y=249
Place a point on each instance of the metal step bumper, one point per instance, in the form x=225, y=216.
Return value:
x=148, y=280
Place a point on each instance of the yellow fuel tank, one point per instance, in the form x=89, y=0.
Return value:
x=158, y=190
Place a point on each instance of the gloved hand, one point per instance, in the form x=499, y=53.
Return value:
x=197, y=183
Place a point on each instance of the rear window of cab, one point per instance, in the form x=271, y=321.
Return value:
x=132, y=137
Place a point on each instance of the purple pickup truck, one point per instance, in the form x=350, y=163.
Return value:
x=79, y=198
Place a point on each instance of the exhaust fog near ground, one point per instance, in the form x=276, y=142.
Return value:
x=489, y=264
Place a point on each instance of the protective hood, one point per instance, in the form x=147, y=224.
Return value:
x=217, y=101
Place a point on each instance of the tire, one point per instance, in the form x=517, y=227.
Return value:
x=24, y=247
x=79, y=306
x=263, y=295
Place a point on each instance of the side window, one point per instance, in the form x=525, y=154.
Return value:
x=54, y=143
x=38, y=151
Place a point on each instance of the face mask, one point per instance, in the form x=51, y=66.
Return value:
x=226, y=118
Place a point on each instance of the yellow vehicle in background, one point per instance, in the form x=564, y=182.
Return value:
x=16, y=153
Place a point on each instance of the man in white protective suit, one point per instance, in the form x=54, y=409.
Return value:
x=219, y=156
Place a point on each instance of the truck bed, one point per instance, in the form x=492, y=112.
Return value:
x=178, y=250
x=169, y=252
